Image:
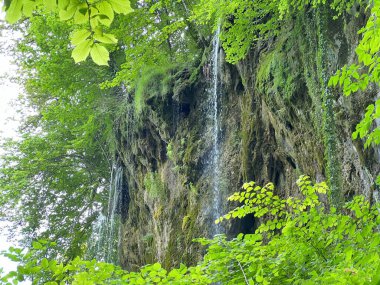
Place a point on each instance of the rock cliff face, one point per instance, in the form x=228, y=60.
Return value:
x=271, y=128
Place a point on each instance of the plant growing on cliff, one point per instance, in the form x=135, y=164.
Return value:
x=300, y=241
x=359, y=76
x=154, y=185
x=244, y=23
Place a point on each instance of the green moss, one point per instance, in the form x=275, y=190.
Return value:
x=155, y=81
x=185, y=221
x=333, y=166
x=185, y=227
x=247, y=132
x=190, y=231
x=169, y=151
x=190, y=148
x=278, y=73
x=154, y=185
x=307, y=42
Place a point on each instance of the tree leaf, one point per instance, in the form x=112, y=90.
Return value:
x=68, y=13
x=36, y=245
x=44, y=263
x=121, y=6
x=14, y=11
x=104, y=20
x=106, y=38
x=81, y=51
x=99, y=54
x=105, y=9
x=81, y=15
x=50, y=4
x=79, y=36
x=94, y=21
x=62, y=4
x=28, y=8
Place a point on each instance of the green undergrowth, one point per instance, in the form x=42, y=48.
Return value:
x=300, y=240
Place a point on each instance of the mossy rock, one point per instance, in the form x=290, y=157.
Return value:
x=155, y=82
x=278, y=72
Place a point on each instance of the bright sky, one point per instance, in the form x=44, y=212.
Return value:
x=8, y=93
x=8, y=125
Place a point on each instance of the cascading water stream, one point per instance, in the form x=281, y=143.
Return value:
x=104, y=240
x=113, y=207
x=215, y=154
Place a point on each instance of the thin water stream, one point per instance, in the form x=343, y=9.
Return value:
x=215, y=154
x=103, y=244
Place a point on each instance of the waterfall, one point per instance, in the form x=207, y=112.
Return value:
x=216, y=209
x=103, y=244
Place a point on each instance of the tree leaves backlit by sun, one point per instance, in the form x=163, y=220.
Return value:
x=91, y=17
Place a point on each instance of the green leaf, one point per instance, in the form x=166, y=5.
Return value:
x=104, y=20
x=99, y=54
x=50, y=4
x=94, y=21
x=36, y=245
x=355, y=135
x=106, y=38
x=28, y=7
x=156, y=266
x=366, y=59
x=81, y=51
x=79, y=36
x=376, y=276
x=68, y=13
x=259, y=278
x=334, y=79
x=81, y=15
x=62, y=4
x=105, y=9
x=121, y=6
x=14, y=11
x=44, y=263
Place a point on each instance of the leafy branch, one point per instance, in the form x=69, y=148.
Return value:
x=98, y=14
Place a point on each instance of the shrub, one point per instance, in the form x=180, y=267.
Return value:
x=300, y=241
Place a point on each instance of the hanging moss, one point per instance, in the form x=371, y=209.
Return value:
x=307, y=42
x=154, y=186
x=333, y=166
x=278, y=73
x=155, y=81
x=247, y=131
